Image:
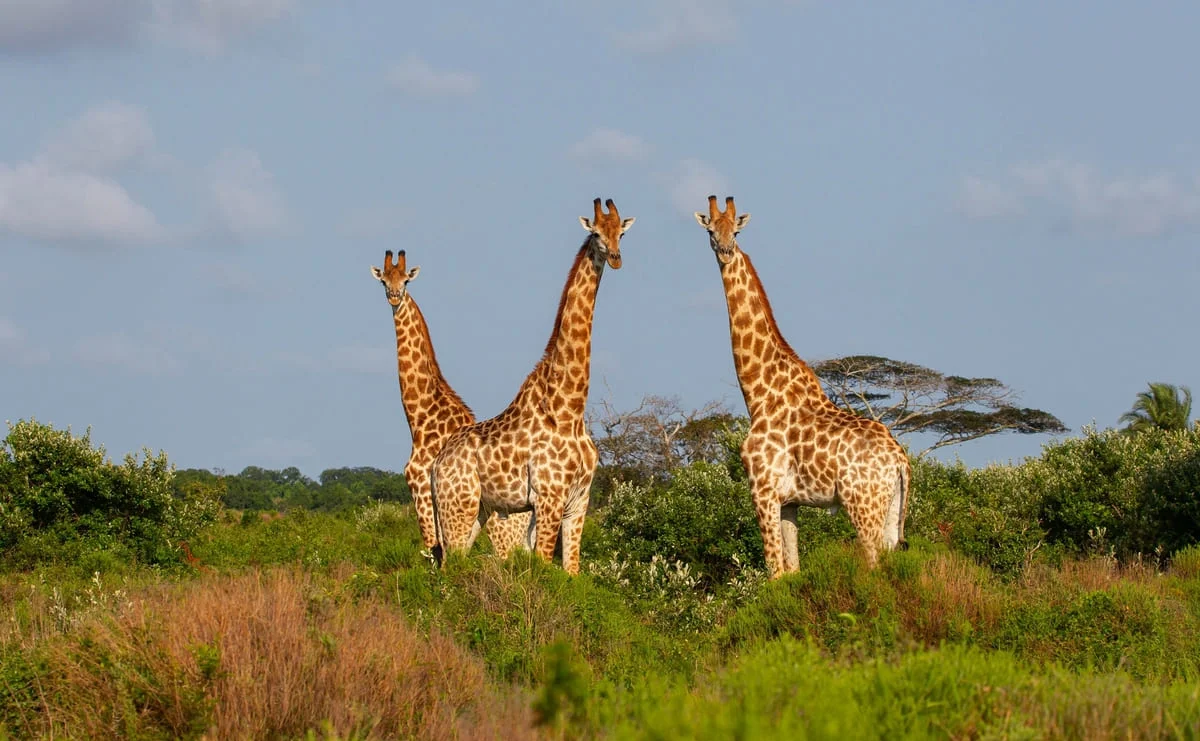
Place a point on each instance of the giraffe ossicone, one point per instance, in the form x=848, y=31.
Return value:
x=536, y=456
x=433, y=409
x=801, y=448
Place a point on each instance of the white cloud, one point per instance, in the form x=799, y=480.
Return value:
x=121, y=351
x=692, y=183
x=15, y=348
x=1127, y=206
x=244, y=195
x=416, y=77
x=62, y=194
x=103, y=139
x=609, y=144
x=43, y=203
x=681, y=23
x=208, y=26
x=47, y=26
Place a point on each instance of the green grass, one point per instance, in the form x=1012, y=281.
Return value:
x=929, y=645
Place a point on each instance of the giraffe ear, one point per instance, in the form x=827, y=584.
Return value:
x=741, y=222
x=413, y=273
x=702, y=219
x=586, y=222
x=377, y=273
x=626, y=223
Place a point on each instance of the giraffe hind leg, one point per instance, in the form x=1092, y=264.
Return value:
x=789, y=537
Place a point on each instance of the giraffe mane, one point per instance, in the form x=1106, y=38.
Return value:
x=562, y=300
x=770, y=314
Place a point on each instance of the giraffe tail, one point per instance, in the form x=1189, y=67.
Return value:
x=893, y=536
x=438, y=550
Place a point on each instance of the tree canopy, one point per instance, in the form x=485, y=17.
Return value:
x=1162, y=406
x=911, y=398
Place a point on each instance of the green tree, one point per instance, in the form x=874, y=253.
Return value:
x=1162, y=406
x=911, y=398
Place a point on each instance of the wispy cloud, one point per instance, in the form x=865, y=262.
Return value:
x=49, y=26
x=244, y=196
x=15, y=347
x=105, y=138
x=609, y=144
x=1084, y=199
x=42, y=203
x=39, y=27
x=416, y=77
x=676, y=24
x=208, y=26
x=692, y=182
x=64, y=195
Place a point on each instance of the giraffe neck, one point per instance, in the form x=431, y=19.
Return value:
x=423, y=389
x=558, y=385
x=762, y=357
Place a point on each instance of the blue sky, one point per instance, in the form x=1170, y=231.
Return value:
x=192, y=191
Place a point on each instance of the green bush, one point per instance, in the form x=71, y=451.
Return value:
x=701, y=517
x=60, y=498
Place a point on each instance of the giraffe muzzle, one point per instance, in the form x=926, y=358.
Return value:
x=614, y=260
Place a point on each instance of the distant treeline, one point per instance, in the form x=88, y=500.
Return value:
x=265, y=489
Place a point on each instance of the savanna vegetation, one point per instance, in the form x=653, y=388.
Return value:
x=1055, y=598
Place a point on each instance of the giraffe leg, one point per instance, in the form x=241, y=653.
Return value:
x=456, y=489
x=572, y=523
x=508, y=534
x=417, y=478
x=866, y=511
x=789, y=544
x=764, y=488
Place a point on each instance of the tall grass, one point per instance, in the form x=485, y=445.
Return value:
x=264, y=654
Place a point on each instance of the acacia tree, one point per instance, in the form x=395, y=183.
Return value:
x=647, y=442
x=1162, y=407
x=911, y=398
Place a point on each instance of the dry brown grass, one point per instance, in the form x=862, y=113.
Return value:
x=960, y=593
x=267, y=654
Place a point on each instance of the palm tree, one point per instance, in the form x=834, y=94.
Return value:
x=1161, y=407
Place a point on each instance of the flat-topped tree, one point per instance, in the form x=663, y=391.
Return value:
x=537, y=454
x=433, y=409
x=801, y=448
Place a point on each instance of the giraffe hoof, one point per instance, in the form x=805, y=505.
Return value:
x=437, y=554
x=902, y=545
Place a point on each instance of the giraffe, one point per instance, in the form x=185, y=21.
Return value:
x=801, y=448
x=432, y=407
x=536, y=455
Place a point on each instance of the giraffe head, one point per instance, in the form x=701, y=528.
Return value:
x=395, y=277
x=723, y=227
x=606, y=230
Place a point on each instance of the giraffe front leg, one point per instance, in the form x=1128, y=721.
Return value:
x=418, y=480
x=764, y=489
x=572, y=523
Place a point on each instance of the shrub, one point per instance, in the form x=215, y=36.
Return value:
x=62, y=498
x=701, y=517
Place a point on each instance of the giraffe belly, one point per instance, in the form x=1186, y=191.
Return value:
x=810, y=493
